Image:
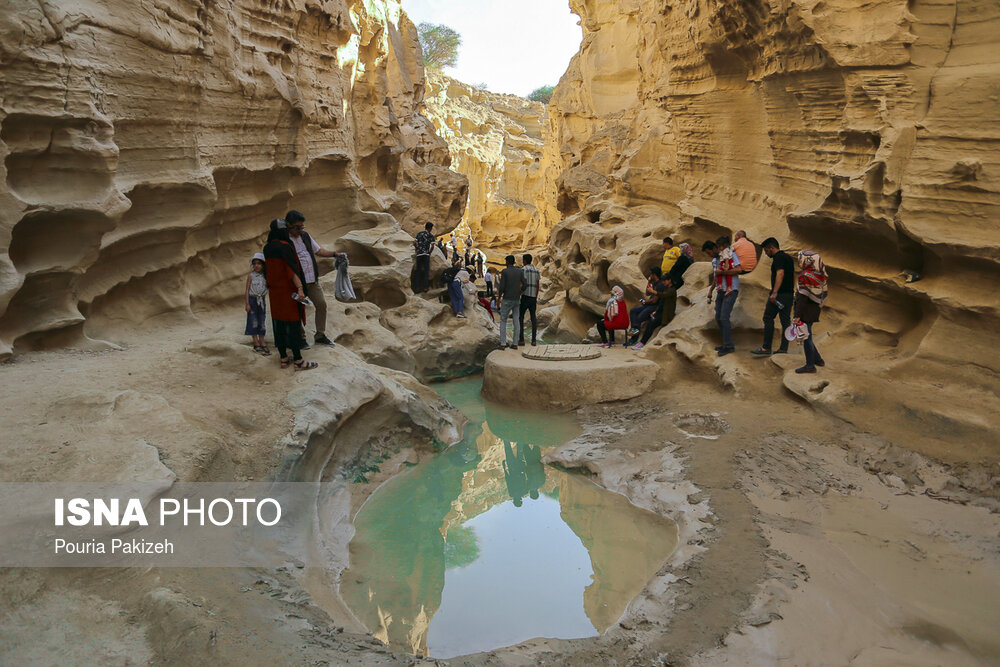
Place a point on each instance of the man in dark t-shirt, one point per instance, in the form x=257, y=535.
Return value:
x=509, y=288
x=422, y=247
x=779, y=301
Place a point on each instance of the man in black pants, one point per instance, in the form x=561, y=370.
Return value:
x=307, y=251
x=422, y=272
x=529, y=298
x=779, y=301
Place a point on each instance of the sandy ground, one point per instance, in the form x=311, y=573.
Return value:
x=804, y=540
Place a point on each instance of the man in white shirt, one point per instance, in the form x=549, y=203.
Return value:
x=307, y=250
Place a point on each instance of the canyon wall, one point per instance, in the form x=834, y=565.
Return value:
x=145, y=148
x=870, y=133
x=497, y=142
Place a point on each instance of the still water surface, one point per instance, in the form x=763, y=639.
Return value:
x=483, y=546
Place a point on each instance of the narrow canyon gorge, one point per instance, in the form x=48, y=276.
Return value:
x=850, y=516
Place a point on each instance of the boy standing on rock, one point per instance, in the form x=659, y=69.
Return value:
x=510, y=284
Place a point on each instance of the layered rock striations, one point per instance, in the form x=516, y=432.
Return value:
x=869, y=133
x=496, y=141
x=144, y=149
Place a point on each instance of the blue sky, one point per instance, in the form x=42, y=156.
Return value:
x=514, y=46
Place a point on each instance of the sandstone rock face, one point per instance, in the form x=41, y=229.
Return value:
x=143, y=150
x=868, y=133
x=497, y=142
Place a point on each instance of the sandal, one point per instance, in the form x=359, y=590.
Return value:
x=303, y=365
x=265, y=350
x=286, y=362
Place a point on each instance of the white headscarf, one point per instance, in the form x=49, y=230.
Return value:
x=611, y=308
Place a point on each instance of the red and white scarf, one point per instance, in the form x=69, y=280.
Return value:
x=812, y=279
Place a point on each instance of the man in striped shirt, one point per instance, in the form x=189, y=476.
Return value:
x=529, y=298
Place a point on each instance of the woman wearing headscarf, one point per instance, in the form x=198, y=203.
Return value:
x=285, y=292
x=615, y=317
x=809, y=299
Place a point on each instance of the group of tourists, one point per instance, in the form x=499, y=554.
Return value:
x=805, y=296
x=286, y=271
x=657, y=306
x=514, y=291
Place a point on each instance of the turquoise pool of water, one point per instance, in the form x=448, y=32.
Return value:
x=482, y=546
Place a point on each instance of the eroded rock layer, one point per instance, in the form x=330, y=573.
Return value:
x=143, y=150
x=869, y=133
x=497, y=141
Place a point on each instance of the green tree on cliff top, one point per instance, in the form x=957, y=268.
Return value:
x=440, y=45
x=543, y=94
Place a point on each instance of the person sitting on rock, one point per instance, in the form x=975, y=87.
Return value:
x=670, y=255
x=615, y=317
x=647, y=305
x=666, y=295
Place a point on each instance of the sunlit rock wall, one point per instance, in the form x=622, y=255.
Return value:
x=869, y=132
x=497, y=141
x=144, y=148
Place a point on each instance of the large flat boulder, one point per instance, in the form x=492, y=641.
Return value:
x=566, y=379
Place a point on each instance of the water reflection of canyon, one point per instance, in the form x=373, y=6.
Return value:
x=482, y=546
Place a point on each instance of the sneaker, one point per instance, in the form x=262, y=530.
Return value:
x=503, y=347
x=638, y=346
x=820, y=363
x=806, y=369
x=631, y=331
x=533, y=343
x=720, y=348
x=726, y=350
x=323, y=340
x=603, y=345
x=461, y=315
x=781, y=350
x=304, y=345
x=513, y=347
x=761, y=352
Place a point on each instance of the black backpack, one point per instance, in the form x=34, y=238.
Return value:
x=448, y=275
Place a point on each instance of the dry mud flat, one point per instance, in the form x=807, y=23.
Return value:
x=802, y=540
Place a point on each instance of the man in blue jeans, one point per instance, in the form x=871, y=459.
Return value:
x=724, y=303
x=510, y=284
